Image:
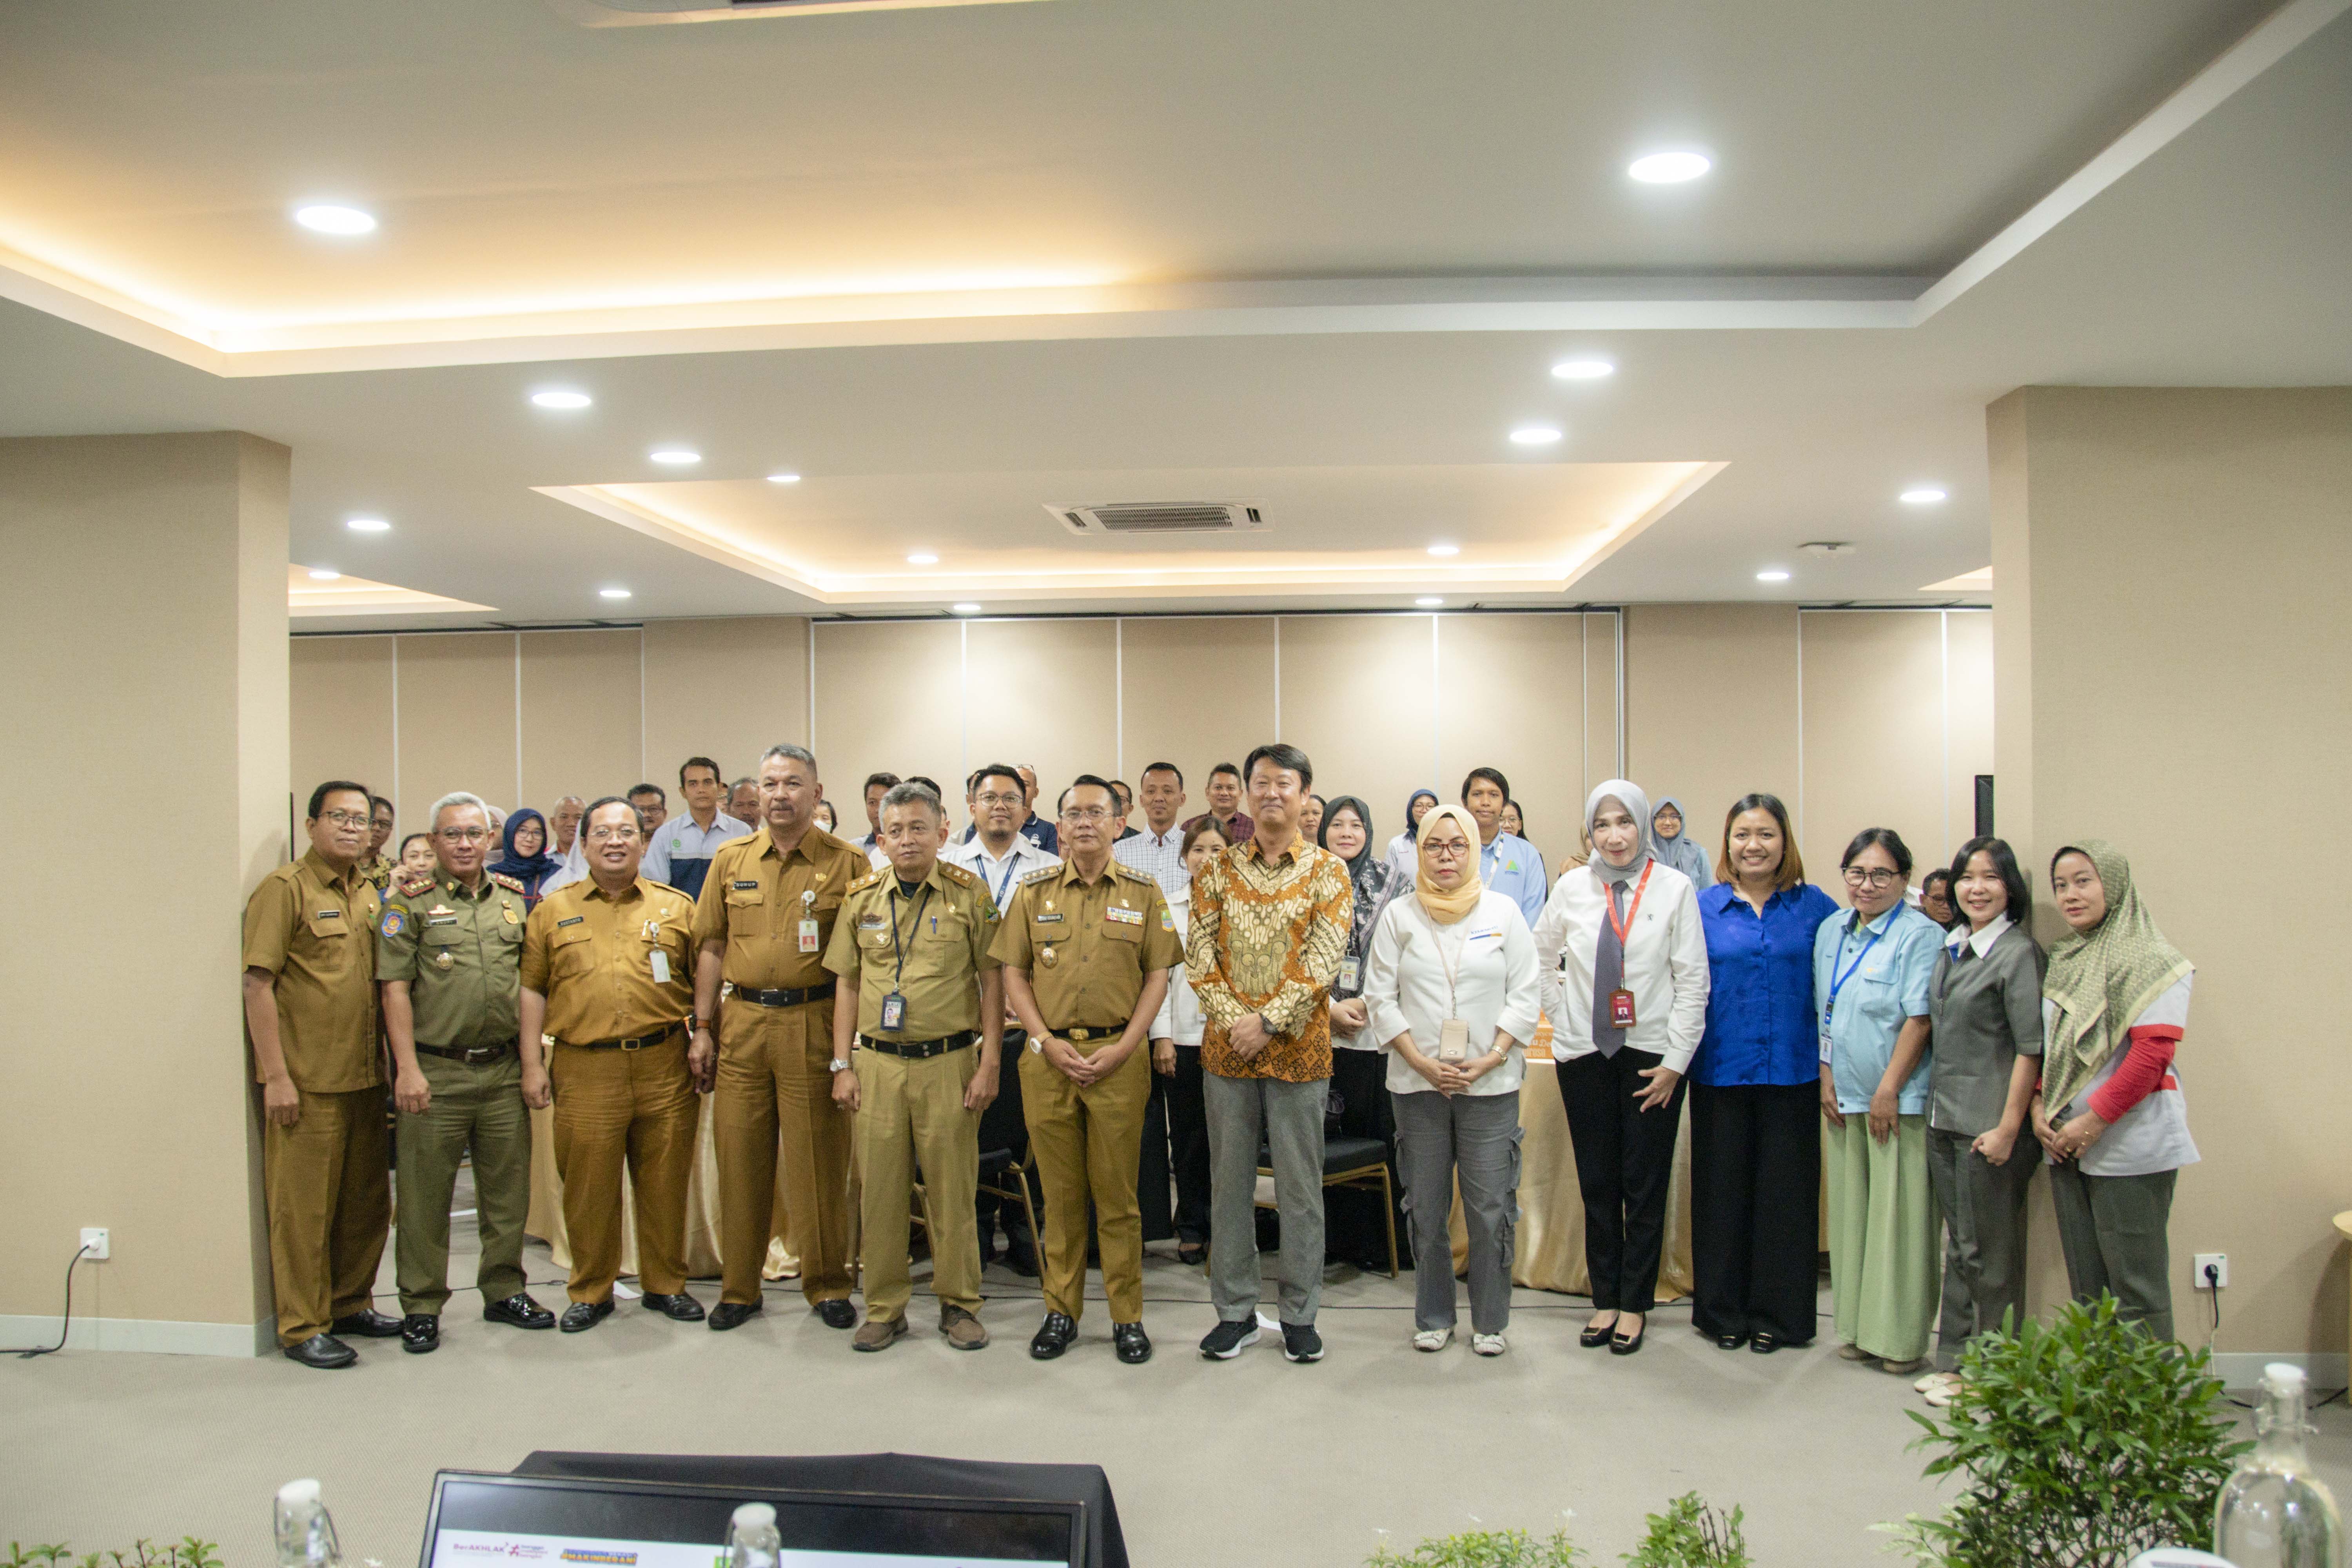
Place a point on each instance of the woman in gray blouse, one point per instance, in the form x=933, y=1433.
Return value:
x=1984, y=1018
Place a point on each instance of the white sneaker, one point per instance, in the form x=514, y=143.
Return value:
x=1487, y=1344
x=1929, y=1382
x=1942, y=1395
x=1433, y=1339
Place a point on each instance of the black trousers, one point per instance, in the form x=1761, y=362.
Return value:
x=1353, y=1229
x=1188, y=1148
x=1153, y=1188
x=1004, y=1126
x=1624, y=1156
x=1756, y=1183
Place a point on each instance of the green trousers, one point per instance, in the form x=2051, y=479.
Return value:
x=2113, y=1231
x=477, y=1108
x=1883, y=1261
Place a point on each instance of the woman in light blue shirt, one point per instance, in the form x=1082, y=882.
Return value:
x=1872, y=969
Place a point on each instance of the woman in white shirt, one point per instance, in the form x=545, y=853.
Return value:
x=1176, y=1056
x=1624, y=963
x=1450, y=983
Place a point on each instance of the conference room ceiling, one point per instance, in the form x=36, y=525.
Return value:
x=951, y=265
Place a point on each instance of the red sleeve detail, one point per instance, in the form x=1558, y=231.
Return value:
x=2143, y=1068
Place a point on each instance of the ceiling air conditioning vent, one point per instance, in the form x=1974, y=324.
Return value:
x=1157, y=517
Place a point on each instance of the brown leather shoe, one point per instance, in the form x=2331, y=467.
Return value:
x=878, y=1334
x=962, y=1329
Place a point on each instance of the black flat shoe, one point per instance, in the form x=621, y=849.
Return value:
x=1022, y=1260
x=1053, y=1337
x=586, y=1315
x=1189, y=1256
x=520, y=1312
x=1593, y=1339
x=1733, y=1341
x=323, y=1351
x=1133, y=1345
x=682, y=1307
x=420, y=1334
x=837, y=1313
x=734, y=1315
x=1619, y=1345
x=368, y=1324
x=1764, y=1344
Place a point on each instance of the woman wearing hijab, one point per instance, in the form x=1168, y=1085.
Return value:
x=1404, y=850
x=1622, y=955
x=1354, y=1229
x=2114, y=1007
x=526, y=858
x=1671, y=828
x=1454, y=995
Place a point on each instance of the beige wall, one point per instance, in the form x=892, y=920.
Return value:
x=124, y=1098
x=2171, y=568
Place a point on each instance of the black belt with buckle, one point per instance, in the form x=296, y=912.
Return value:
x=920, y=1050
x=785, y=998
x=469, y=1053
x=636, y=1043
x=1114, y=1032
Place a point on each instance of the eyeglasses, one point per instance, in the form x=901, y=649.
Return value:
x=463, y=835
x=1856, y=876
x=998, y=799
x=346, y=818
x=1445, y=850
x=607, y=833
x=1086, y=814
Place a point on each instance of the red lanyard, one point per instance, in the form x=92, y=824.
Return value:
x=1621, y=927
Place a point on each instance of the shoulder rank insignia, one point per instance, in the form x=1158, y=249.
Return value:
x=958, y=876
x=1041, y=875
x=511, y=884
x=867, y=880
x=409, y=886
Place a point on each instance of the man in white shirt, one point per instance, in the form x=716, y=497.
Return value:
x=679, y=851
x=565, y=824
x=877, y=787
x=1157, y=848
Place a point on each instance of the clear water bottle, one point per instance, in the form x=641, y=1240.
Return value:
x=752, y=1538
x=306, y=1531
x=2275, y=1513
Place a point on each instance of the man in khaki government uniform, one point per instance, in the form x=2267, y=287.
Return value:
x=1086, y=946
x=607, y=970
x=376, y=865
x=449, y=953
x=767, y=910
x=310, y=1012
x=911, y=942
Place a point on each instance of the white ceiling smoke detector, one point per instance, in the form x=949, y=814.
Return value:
x=1160, y=517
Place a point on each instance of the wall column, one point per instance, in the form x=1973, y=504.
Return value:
x=143, y=620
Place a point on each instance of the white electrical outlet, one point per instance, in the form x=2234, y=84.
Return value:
x=2218, y=1262
x=95, y=1238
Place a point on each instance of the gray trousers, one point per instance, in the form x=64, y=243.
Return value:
x=1290, y=1117
x=1983, y=1206
x=1475, y=1137
x=2111, y=1229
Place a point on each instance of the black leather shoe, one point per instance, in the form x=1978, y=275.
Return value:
x=733, y=1314
x=1134, y=1346
x=1619, y=1345
x=1053, y=1337
x=1764, y=1344
x=682, y=1307
x=1593, y=1339
x=1732, y=1342
x=586, y=1315
x=518, y=1310
x=1022, y=1260
x=837, y=1314
x=369, y=1324
x=420, y=1334
x=324, y=1352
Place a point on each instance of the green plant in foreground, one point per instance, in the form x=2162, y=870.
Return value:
x=2084, y=1444
x=1485, y=1549
x=190, y=1553
x=1690, y=1534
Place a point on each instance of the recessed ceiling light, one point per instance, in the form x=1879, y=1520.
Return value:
x=328, y=217
x=368, y=525
x=1583, y=369
x=1535, y=435
x=1669, y=168
x=559, y=398
x=784, y=479
x=323, y=574
x=613, y=592
x=965, y=609
x=922, y=558
x=1429, y=602
x=675, y=457
x=1445, y=550
x=1772, y=576
x=1923, y=495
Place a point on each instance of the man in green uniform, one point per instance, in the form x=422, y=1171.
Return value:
x=911, y=942
x=310, y=1012
x=449, y=953
x=1086, y=946
x=376, y=865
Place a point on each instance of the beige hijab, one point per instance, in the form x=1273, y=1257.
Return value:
x=1447, y=908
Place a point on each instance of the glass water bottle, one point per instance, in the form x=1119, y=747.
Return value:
x=2275, y=1512
x=752, y=1538
x=306, y=1531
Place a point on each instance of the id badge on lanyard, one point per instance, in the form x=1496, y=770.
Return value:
x=894, y=1005
x=808, y=920
x=1350, y=973
x=1837, y=983
x=1620, y=1001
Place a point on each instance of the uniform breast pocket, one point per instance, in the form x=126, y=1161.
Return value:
x=746, y=912
x=571, y=955
x=510, y=934
x=439, y=936
x=1122, y=931
x=328, y=925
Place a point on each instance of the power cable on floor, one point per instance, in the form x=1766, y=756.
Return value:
x=65, y=1325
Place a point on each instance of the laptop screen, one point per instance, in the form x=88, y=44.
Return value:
x=532, y=1522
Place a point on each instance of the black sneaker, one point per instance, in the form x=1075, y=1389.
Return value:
x=1227, y=1340
x=1301, y=1342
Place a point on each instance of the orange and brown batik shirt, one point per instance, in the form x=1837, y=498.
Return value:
x=1266, y=937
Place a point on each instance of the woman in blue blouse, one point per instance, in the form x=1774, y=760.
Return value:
x=1755, y=1095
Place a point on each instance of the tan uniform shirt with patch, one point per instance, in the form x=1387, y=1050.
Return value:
x=755, y=899
x=461, y=953
x=940, y=952
x=314, y=932
x=1087, y=945
x=592, y=956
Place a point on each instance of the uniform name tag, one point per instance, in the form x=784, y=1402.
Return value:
x=1048, y=918
x=440, y=919
x=1118, y=915
x=570, y=920
x=747, y=885
x=331, y=914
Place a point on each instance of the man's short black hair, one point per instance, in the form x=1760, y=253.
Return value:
x=1288, y=758
x=377, y=801
x=1492, y=776
x=1226, y=768
x=931, y=784
x=636, y=814
x=654, y=790
x=336, y=786
x=1125, y=795
x=1098, y=782
x=998, y=771
x=700, y=763
x=887, y=780
x=1153, y=768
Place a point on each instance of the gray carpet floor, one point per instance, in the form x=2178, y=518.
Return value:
x=1255, y=1461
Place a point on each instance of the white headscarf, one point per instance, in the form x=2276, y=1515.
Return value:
x=1627, y=794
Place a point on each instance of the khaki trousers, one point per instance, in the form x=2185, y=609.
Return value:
x=911, y=1113
x=773, y=1077
x=328, y=1183
x=1087, y=1143
x=635, y=1107
x=476, y=1107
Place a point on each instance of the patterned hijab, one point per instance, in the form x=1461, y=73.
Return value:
x=1372, y=879
x=2102, y=979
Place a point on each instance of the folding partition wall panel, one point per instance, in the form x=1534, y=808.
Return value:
x=1357, y=697
x=582, y=728
x=1711, y=695
x=1196, y=691
x=727, y=690
x=890, y=697
x=340, y=711
x=1044, y=693
x=458, y=722
x=1510, y=695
